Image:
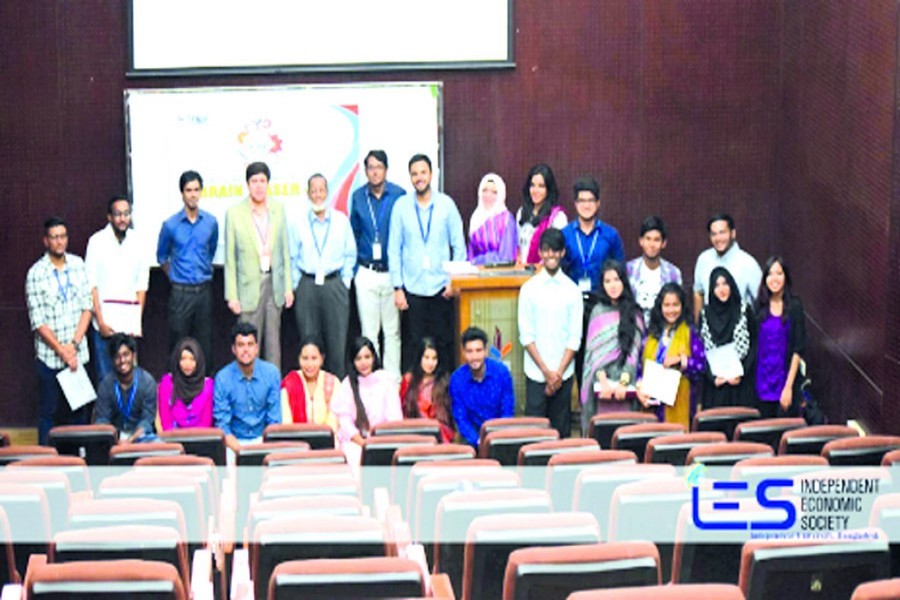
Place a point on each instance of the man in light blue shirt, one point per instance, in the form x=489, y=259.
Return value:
x=323, y=255
x=246, y=390
x=426, y=230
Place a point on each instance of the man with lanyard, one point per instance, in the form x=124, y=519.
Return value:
x=370, y=217
x=589, y=242
x=650, y=271
x=323, y=253
x=59, y=309
x=258, y=262
x=126, y=398
x=426, y=230
x=118, y=275
x=185, y=250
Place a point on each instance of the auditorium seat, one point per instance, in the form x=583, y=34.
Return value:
x=727, y=454
x=8, y=572
x=347, y=578
x=186, y=493
x=28, y=513
x=249, y=460
x=312, y=536
x=90, y=442
x=533, y=458
x=603, y=426
x=810, y=570
x=200, y=441
x=811, y=440
x=563, y=469
x=316, y=481
x=55, y=487
x=511, y=423
x=885, y=515
x=860, y=451
x=378, y=451
x=11, y=454
x=265, y=510
x=555, y=572
x=90, y=580
x=700, y=591
x=405, y=458
x=674, y=449
x=753, y=470
x=636, y=437
x=491, y=538
x=127, y=511
x=200, y=469
x=456, y=512
x=419, y=471
x=723, y=418
x=124, y=455
x=430, y=427
x=767, y=431
x=883, y=589
x=305, y=457
x=73, y=467
x=504, y=444
x=318, y=436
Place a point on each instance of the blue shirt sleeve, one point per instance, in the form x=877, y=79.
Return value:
x=213, y=239
x=222, y=404
x=164, y=244
x=457, y=239
x=273, y=400
x=461, y=412
x=395, y=244
x=508, y=400
x=617, y=249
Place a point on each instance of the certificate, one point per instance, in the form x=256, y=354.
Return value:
x=724, y=362
x=660, y=383
x=76, y=385
x=123, y=316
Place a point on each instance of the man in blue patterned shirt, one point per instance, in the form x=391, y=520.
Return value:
x=481, y=389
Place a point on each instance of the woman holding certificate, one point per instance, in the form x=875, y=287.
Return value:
x=677, y=348
x=728, y=329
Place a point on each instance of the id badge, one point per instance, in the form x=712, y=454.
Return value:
x=265, y=263
x=320, y=277
x=584, y=284
x=426, y=262
x=376, y=251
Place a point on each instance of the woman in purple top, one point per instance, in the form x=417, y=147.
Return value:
x=492, y=228
x=782, y=340
x=185, y=395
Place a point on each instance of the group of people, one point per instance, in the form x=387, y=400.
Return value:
x=586, y=316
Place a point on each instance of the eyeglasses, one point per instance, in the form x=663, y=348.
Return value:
x=121, y=213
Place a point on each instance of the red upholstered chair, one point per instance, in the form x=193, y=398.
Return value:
x=182, y=490
x=73, y=467
x=430, y=427
x=295, y=506
x=378, y=451
x=405, y=458
x=305, y=457
x=636, y=437
x=8, y=572
x=811, y=440
x=753, y=470
x=727, y=453
x=708, y=591
x=491, y=538
x=28, y=513
x=200, y=441
x=891, y=458
x=10, y=454
x=535, y=573
x=375, y=577
x=504, y=444
x=327, y=481
x=861, y=451
x=55, y=487
x=533, y=458
x=107, y=579
x=201, y=469
x=603, y=426
x=124, y=455
x=318, y=436
x=885, y=515
x=420, y=471
x=511, y=423
x=129, y=511
x=767, y=431
x=90, y=442
x=885, y=589
x=673, y=449
x=724, y=419
x=563, y=469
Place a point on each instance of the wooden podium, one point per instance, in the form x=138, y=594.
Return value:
x=490, y=300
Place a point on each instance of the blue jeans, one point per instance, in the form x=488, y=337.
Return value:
x=54, y=409
x=102, y=361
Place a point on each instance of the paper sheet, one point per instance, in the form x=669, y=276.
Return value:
x=660, y=383
x=724, y=362
x=77, y=387
x=123, y=316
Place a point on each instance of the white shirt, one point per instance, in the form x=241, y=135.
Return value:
x=743, y=267
x=550, y=316
x=647, y=287
x=118, y=270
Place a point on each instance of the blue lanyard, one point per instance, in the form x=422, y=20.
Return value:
x=380, y=218
x=594, y=236
x=312, y=227
x=425, y=233
x=134, y=385
x=63, y=291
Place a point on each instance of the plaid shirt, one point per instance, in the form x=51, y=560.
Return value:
x=57, y=299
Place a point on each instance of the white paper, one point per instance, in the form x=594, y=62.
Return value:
x=459, y=267
x=660, y=383
x=76, y=385
x=123, y=316
x=724, y=362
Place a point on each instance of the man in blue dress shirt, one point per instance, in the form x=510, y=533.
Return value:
x=185, y=251
x=370, y=218
x=426, y=230
x=323, y=254
x=481, y=389
x=246, y=390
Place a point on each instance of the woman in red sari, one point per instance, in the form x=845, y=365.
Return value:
x=423, y=392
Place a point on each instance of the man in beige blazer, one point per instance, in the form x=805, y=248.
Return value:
x=257, y=262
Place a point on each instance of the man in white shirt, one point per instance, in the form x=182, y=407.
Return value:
x=550, y=324
x=118, y=275
x=725, y=252
x=323, y=255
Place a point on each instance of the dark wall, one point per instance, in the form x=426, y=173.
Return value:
x=838, y=206
x=674, y=105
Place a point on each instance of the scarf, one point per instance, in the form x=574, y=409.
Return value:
x=725, y=322
x=482, y=215
x=187, y=387
x=319, y=405
x=535, y=246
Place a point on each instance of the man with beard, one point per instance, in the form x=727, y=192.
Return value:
x=126, y=398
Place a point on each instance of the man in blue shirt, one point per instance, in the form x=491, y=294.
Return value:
x=481, y=389
x=370, y=218
x=589, y=243
x=426, y=230
x=187, y=244
x=246, y=390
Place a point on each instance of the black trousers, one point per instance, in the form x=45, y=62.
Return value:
x=190, y=314
x=429, y=316
x=557, y=407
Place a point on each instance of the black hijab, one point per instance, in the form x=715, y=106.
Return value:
x=187, y=388
x=722, y=317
